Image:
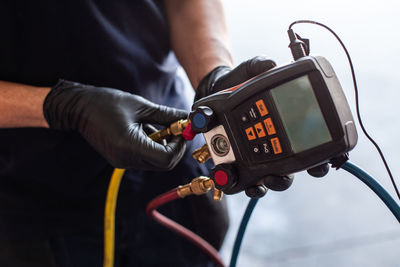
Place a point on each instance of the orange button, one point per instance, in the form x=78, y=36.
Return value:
x=260, y=130
x=276, y=145
x=261, y=107
x=250, y=133
x=269, y=126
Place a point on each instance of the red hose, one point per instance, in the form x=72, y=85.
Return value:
x=179, y=229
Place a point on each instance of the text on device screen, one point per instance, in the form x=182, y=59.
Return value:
x=301, y=115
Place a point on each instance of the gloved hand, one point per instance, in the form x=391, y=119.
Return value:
x=111, y=121
x=223, y=77
x=272, y=182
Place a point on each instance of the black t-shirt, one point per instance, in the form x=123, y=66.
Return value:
x=53, y=182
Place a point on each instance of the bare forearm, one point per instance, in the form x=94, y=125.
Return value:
x=21, y=105
x=198, y=36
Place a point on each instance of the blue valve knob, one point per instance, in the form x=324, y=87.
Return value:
x=199, y=120
x=202, y=119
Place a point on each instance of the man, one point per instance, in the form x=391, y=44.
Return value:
x=60, y=139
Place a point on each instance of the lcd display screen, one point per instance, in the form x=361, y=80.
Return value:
x=300, y=114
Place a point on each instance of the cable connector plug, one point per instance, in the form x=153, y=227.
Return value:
x=297, y=46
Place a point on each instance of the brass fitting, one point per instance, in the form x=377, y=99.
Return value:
x=160, y=135
x=218, y=194
x=175, y=129
x=199, y=186
x=202, y=154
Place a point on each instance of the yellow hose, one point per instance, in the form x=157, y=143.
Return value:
x=109, y=217
x=175, y=129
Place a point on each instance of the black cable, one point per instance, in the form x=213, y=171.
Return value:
x=356, y=98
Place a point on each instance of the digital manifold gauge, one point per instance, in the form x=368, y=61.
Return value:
x=288, y=119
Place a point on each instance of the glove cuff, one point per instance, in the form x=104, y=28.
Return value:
x=55, y=106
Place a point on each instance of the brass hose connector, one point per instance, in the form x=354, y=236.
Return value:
x=199, y=186
x=202, y=154
x=175, y=129
x=218, y=194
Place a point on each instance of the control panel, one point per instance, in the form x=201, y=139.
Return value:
x=259, y=131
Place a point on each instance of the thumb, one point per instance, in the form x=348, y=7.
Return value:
x=256, y=66
x=245, y=71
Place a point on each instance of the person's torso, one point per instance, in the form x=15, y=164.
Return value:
x=120, y=44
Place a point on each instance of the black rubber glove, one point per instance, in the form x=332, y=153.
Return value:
x=223, y=77
x=278, y=183
x=111, y=121
x=273, y=182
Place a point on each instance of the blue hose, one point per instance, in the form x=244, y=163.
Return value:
x=375, y=186
x=351, y=168
x=242, y=228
